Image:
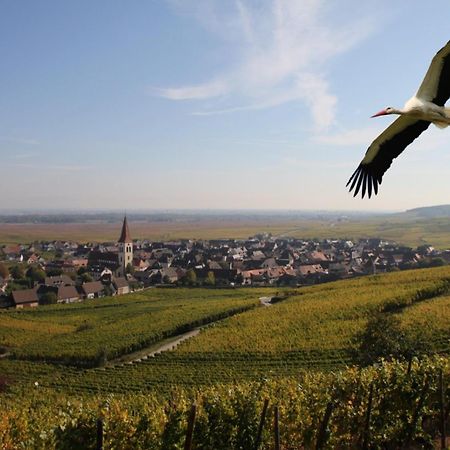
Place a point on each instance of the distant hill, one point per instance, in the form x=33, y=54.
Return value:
x=428, y=212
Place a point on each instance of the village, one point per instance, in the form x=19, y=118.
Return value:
x=67, y=272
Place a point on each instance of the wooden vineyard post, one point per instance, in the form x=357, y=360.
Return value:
x=261, y=424
x=99, y=434
x=442, y=411
x=408, y=371
x=276, y=426
x=322, y=437
x=416, y=414
x=190, y=428
x=366, y=435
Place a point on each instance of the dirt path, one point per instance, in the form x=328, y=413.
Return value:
x=166, y=345
x=159, y=347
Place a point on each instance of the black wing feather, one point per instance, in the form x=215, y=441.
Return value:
x=382, y=152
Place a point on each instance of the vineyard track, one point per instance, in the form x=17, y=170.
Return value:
x=169, y=343
x=160, y=347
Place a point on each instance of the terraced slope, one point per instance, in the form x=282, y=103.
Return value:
x=311, y=330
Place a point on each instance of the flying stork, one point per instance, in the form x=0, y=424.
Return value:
x=426, y=107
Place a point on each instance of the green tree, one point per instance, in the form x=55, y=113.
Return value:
x=81, y=270
x=191, y=277
x=17, y=272
x=86, y=278
x=383, y=337
x=107, y=289
x=49, y=298
x=4, y=272
x=54, y=272
x=437, y=262
x=129, y=269
x=35, y=274
x=210, y=279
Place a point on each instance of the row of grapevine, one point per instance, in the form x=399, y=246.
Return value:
x=328, y=408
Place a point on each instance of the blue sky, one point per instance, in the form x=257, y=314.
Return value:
x=235, y=104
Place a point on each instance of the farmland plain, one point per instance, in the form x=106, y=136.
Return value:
x=405, y=229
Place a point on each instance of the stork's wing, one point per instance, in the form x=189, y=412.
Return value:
x=387, y=146
x=435, y=86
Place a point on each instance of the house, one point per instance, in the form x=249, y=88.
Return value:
x=59, y=280
x=93, y=289
x=121, y=285
x=25, y=298
x=33, y=259
x=169, y=275
x=68, y=294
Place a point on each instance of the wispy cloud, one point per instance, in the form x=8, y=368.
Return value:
x=281, y=48
x=18, y=140
x=207, y=90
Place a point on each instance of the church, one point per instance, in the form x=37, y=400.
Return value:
x=113, y=261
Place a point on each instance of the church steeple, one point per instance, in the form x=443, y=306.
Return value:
x=125, y=234
x=125, y=249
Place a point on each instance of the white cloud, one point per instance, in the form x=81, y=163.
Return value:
x=281, y=48
x=202, y=91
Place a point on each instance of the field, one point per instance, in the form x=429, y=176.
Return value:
x=313, y=328
x=296, y=352
x=403, y=229
x=313, y=408
x=83, y=334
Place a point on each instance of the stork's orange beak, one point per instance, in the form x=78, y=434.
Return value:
x=381, y=113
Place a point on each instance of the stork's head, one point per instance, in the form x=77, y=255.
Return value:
x=385, y=112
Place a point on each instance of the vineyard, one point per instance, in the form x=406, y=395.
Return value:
x=389, y=406
x=83, y=334
x=296, y=352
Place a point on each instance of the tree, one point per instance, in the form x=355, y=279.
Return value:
x=210, y=279
x=35, y=274
x=54, y=272
x=4, y=272
x=383, y=337
x=191, y=277
x=129, y=269
x=437, y=262
x=17, y=272
x=85, y=277
x=49, y=298
x=107, y=289
x=81, y=270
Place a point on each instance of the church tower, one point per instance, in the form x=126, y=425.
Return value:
x=125, y=249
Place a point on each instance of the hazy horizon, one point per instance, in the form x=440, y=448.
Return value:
x=203, y=104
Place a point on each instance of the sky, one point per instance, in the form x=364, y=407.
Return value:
x=212, y=104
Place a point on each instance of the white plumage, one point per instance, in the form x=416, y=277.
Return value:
x=426, y=107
